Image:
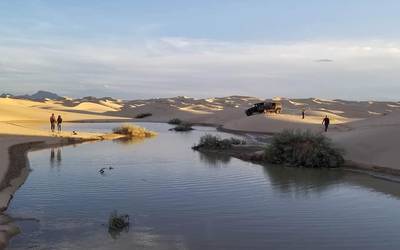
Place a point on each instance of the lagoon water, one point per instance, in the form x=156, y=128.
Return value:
x=181, y=199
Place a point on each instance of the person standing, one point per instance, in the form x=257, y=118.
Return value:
x=52, y=122
x=303, y=113
x=326, y=122
x=59, y=121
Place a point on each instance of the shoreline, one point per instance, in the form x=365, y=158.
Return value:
x=18, y=165
x=18, y=170
x=253, y=153
x=17, y=173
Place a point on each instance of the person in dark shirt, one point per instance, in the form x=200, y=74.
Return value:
x=59, y=121
x=326, y=122
x=52, y=122
x=303, y=113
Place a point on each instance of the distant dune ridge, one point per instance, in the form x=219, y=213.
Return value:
x=38, y=96
x=368, y=130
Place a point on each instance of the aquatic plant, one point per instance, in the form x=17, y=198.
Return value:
x=118, y=222
x=182, y=127
x=133, y=131
x=143, y=115
x=215, y=142
x=175, y=121
x=303, y=149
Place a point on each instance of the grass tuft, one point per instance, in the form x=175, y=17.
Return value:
x=133, y=131
x=175, y=121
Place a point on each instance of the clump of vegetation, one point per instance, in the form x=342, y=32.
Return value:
x=216, y=143
x=303, y=149
x=118, y=222
x=133, y=131
x=183, y=127
x=236, y=141
x=175, y=121
x=143, y=115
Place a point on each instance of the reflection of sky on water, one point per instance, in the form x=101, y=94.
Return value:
x=180, y=199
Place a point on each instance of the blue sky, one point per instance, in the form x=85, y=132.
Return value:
x=140, y=49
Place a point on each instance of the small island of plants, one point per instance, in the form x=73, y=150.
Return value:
x=133, y=131
x=303, y=149
x=212, y=142
x=183, y=127
x=288, y=148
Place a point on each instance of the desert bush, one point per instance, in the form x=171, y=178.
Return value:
x=182, y=127
x=175, y=121
x=133, y=131
x=236, y=141
x=215, y=142
x=143, y=115
x=118, y=222
x=303, y=149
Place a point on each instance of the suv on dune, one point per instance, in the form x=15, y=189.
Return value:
x=264, y=107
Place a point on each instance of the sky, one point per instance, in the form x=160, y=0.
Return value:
x=141, y=49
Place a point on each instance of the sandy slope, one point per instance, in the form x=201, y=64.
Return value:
x=372, y=141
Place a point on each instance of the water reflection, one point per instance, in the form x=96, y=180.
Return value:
x=127, y=141
x=214, y=159
x=302, y=181
x=55, y=158
x=116, y=233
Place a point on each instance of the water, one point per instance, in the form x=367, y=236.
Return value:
x=181, y=199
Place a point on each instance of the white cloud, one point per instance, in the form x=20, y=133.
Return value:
x=201, y=67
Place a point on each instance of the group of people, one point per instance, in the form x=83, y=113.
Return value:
x=53, y=122
x=326, y=121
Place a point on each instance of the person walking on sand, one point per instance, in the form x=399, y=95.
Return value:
x=52, y=122
x=59, y=121
x=326, y=122
x=303, y=113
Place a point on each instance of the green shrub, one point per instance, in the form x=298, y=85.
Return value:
x=182, y=127
x=214, y=142
x=175, y=121
x=143, y=115
x=133, y=131
x=303, y=149
x=118, y=222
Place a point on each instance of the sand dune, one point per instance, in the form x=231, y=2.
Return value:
x=366, y=129
x=23, y=110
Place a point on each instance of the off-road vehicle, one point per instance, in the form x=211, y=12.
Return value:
x=264, y=107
